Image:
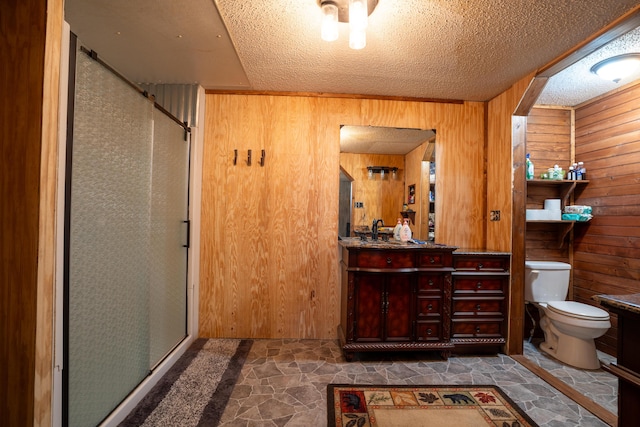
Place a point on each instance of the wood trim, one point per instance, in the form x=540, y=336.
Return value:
x=43, y=381
x=530, y=96
x=516, y=296
x=331, y=95
x=588, y=404
x=622, y=25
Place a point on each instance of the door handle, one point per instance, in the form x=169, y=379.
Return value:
x=188, y=245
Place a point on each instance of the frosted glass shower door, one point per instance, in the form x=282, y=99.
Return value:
x=168, y=260
x=108, y=298
x=126, y=260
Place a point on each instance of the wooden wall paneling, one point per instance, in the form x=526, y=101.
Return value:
x=414, y=176
x=549, y=142
x=381, y=199
x=505, y=191
x=607, y=249
x=255, y=282
x=549, y=138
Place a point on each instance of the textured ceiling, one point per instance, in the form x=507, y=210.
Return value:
x=382, y=140
x=577, y=84
x=446, y=49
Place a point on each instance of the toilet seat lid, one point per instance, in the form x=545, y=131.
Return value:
x=578, y=310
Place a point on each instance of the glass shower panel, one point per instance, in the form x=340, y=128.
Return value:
x=168, y=260
x=109, y=246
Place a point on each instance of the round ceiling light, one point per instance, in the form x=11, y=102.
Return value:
x=617, y=67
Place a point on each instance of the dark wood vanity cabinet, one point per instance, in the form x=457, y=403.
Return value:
x=422, y=298
x=395, y=299
x=480, y=284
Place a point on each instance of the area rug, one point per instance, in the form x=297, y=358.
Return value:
x=351, y=405
x=196, y=389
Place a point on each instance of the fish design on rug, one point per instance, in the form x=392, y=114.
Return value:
x=458, y=399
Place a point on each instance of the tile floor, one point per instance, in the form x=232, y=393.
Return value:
x=598, y=385
x=283, y=382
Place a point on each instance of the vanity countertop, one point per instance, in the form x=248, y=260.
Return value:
x=467, y=251
x=356, y=242
x=624, y=302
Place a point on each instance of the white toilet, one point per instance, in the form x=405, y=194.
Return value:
x=569, y=327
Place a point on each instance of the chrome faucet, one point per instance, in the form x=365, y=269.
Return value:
x=374, y=228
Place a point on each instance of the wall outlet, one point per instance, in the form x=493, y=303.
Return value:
x=359, y=205
x=495, y=216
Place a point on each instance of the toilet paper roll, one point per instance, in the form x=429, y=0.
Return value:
x=552, y=204
x=553, y=214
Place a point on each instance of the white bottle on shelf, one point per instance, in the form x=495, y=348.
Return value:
x=396, y=229
x=405, y=232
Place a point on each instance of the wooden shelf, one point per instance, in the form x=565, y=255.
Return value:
x=567, y=188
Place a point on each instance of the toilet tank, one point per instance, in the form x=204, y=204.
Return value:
x=546, y=281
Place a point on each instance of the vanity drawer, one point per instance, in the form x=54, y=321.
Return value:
x=469, y=328
x=430, y=283
x=478, y=307
x=428, y=307
x=429, y=331
x=433, y=259
x=478, y=285
x=480, y=263
x=385, y=259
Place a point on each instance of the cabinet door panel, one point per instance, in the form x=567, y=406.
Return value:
x=398, y=307
x=368, y=307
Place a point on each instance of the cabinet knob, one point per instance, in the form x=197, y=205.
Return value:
x=430, y=307
x=477, y=329
x=430, y=282
x=479, y=285
x=432, y=260
x=429, y=331
x=389, y=260
x=478, y=307
x=480, y=266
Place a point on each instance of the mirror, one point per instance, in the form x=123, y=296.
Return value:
x=387, y=173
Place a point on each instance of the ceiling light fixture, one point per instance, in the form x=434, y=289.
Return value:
x=617, y=67
x=355, y=12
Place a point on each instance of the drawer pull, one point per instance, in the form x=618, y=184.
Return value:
x=477, y=329
x=478, y=307
x=389, y=260
x=429, y=331
x=479, y=285
x=480, y=266
x=430, y=282
x=432, y=260
x=430, y=307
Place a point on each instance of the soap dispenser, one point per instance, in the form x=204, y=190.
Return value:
x=405, y=232
x=396, y=229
